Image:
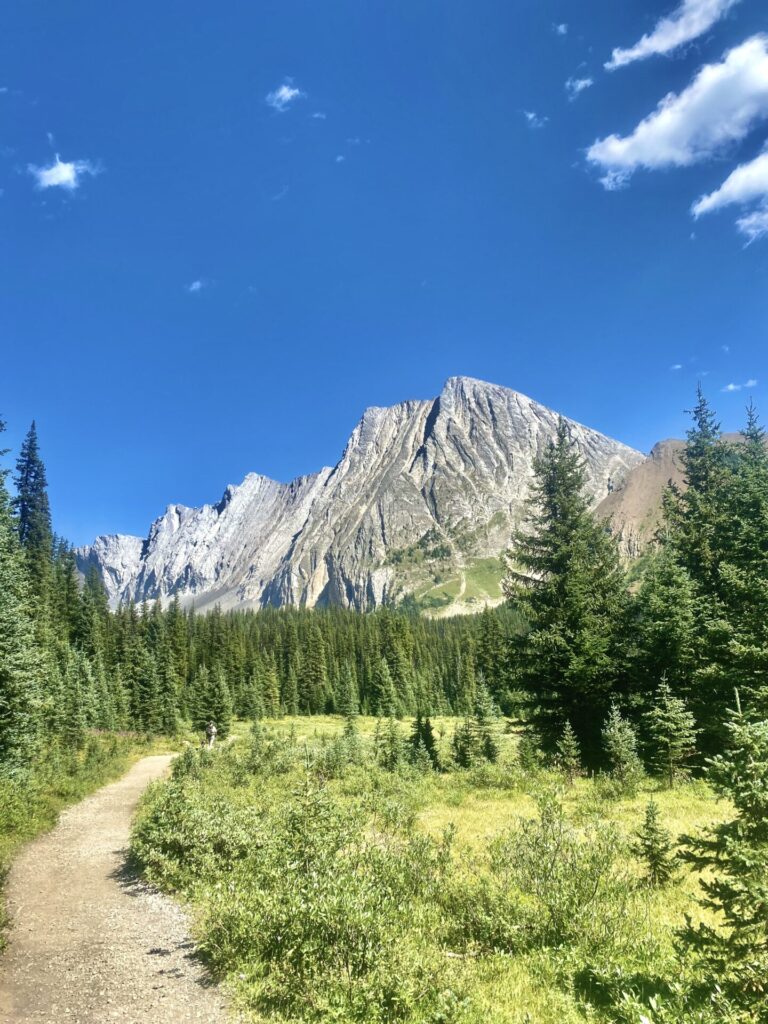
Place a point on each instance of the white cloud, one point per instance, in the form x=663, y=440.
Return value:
x=318, y=115
x=744, y=185
x=561, y=30
x=751, y=383
x=718, y=108
x=282, y=97
x=747, y=184
x=731, y=388
x=689, y=21
x=576, y=85
x=754, y=225
x=195, y=286
x=340, y=159
x=62, y=174
x=676, y=366
x=534, y=120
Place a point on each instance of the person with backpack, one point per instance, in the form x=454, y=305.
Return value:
x=210, y=733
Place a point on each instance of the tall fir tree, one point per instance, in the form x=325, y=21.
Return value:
x=33, y=514
x=565, y=578
x=19, y=658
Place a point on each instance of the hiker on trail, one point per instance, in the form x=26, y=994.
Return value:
x=210, y=732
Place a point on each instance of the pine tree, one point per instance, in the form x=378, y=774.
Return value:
x=423, y=743
x=384, y=697
x=664, y=624
x=568, y=757
x=389, y=748
x=654, y=847
x=620, y=745
x=348, y=702
x=731, y=955
x=671, y=732
x=565, y=578
x=221, y=704
x=33, y=514
x=19, y=660
x=486, y=715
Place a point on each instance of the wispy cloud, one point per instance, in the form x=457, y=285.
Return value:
x=534, y=120
x=689, y=21
x=726, y=348
x=195, y=286
x=282, y=97
x=574, y=86
x=62, y=174
x=754, y=225
x=318, y=115
x=340, y=158
x=748, y=184
x=720, y=106
x=561, y=29
x=731, y=388
x=676, y=366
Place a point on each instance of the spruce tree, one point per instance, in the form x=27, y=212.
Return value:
x=565, y=578
x=423, y=743
x=654, y=847
x=731, y=954
x=568, y=757
x=485, y=719
x=620, y=746
x=384, y=696
x=19, y=659
x=33, y=514
x=221, y=704
x=671, y=730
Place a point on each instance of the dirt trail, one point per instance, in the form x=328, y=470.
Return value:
x=90, y=943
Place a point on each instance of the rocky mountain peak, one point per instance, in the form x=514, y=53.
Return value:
x=423, y=501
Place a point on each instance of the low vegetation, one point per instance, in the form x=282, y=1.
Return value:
x=334, y=874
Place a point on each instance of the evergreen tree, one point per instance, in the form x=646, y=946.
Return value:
x=384, y=697
x=33, y=514
x=654, y=847
x=389, y=747
x=221, y=704
x=565, y=578
x=671, y=732
x=620, y=745
x=485, y=718
x=568, y=757
x=19, y=661
x=348, y=701
x=664, y=625
x=731, y=955
x=423, y=743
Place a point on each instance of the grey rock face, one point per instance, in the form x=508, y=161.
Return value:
x=455, y=470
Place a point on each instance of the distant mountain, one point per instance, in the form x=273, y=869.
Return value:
x=634, y=509
x=423, y=501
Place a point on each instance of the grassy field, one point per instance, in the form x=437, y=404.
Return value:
x=431, y=879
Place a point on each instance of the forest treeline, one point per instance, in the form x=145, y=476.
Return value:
x=574, y=644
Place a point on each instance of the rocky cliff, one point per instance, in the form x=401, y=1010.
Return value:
x=423, y=501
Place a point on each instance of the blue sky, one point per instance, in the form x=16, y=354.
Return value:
x=226, y=229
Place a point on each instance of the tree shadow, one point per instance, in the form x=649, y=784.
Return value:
x=128, y=877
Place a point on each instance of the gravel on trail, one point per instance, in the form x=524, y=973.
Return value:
x=89, y=942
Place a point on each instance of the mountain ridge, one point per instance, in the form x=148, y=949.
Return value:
x=424, y=490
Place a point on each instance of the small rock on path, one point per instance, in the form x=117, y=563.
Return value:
x=90, y=943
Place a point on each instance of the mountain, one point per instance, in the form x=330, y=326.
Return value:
x=423, y=501
x=634, y=509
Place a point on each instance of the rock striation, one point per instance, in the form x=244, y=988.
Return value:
x=422, y=488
